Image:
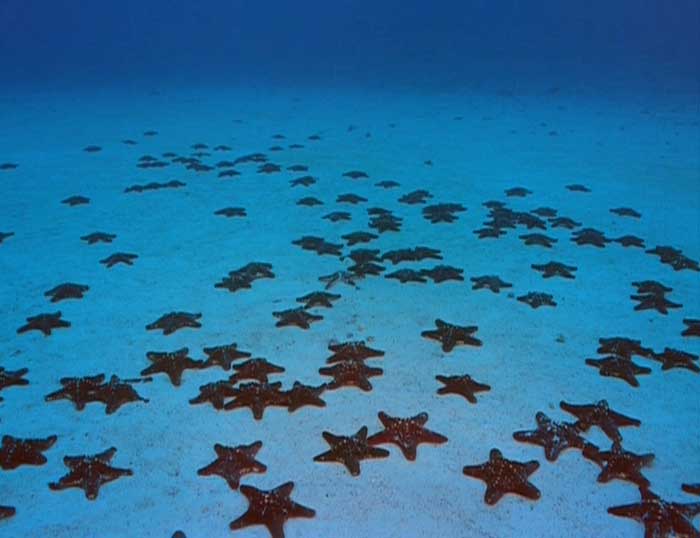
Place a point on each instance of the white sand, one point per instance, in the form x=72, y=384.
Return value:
x=631, y=150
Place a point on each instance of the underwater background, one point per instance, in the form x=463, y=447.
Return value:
x=349, y=269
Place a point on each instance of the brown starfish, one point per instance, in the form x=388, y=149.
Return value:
x=551, y=269
x=554, y=437
x=232, y=463
x=223, y=356
x=350, y=450
x=504, y=476
x=76, y=200
x=15, y=451
x=172, y=321
x=407, y=275
x=115, y=393
x=5, y=235
x=350, y=198
x=352, y=350
x=119, y=257
x=630, y=241
x=66, y=291
x=590, y=236
x=614, y=366
x=490, y=282
x=536, y=299
x=172, y=363
x=231, y=212
x=619, y=463
x=14, y=378
x=518, y=192
x=452, y=335
x=89, y=473
x=443, y=273
x=270, y=508
x=301, y=395
x=539, y=240
x=358, y=237
x=626, y=212
x=660, y=518
x=257, y=369
x=6, y=512
x=297, y=317
x=692, y=327
x=599, y=414
x=624, y=347
x=675, y=358
x=98, y=237
x=257, y=396
x=406, y=433
x=79, y=390
x=318, y=298
x=353, y=373
x=44, y=323
x=463, y=385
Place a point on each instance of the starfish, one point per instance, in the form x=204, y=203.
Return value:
x=257, y=369
x=318, y=298
x=693, y=489
x=660, y=518
x=15, y=451
x=338, y=216
x=504, y=476
x=415, y=197
x=564, y=222
x=350, y=198
x=66, y=291
x=452, y=335
x=257, y=396
x=619, y=463
x=231, y=212
x=626, y=212
x=172, y=364
x=590, y=236
x=79, y=390
x=630, y=241
x=5, y=235
x=309, y=201
x=44, y=323
x=624, y=347
x=407, y=275
x=350, y=373
x=489, y=232
x=518, y=192
x=577, y=187
x=555, y=437
x=462, y=385
x=98, y=237
x=358, y=237
x=442, y=212
x=356, y=174
x=539, y=240
x=215, y=393
x=406, y=433
x=491, y=282
x=89, y=473
x=295, y=316
x=270, y=508
x=353, y=351
x=654, y=301
x=10, y=378
x=76, y=200
x=547, y=212
x=674, y=358
x=536, y=299
x=442, y=273
x=551, y=269
x=319, y=245
x=692, y=327
x=599, y=414
x=360, y=270
x=232, y=463
x=387, y=184
x=300, y=395
x=304, y=181
x=223, y=356
x=119, y=257
x=171, y=322
x=614, y=366
x=6, y=512
x=350, y=450
x=115, y=393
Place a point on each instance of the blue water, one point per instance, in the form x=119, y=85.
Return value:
x=591, y=110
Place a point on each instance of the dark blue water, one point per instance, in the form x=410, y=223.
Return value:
x=347, y=41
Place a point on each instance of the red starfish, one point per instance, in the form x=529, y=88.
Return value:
x=257, y=396
x=79, y=390
x=351, y=373
x=692, y=327
x=6, y=512
x=10, y=379
x=555, y=437
x=406, y=433
x=297, y=317
x=463, y=385
x=44, y=323
x=613, y=366
x=674, y=358
x=504, y=476
x=257, y=369
x=350, y=450
x=171, y=322
x=660, y=518
x=172, y=364
x=15, y=452
x=89, y=473
x=223, y=356
x=300, y=395
x=115, y=393
x=234, y=462
x=271, y=508
x=215, y=393
x=451, y=335
x=619, y=463
x=352, y=350
x=599, y=414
